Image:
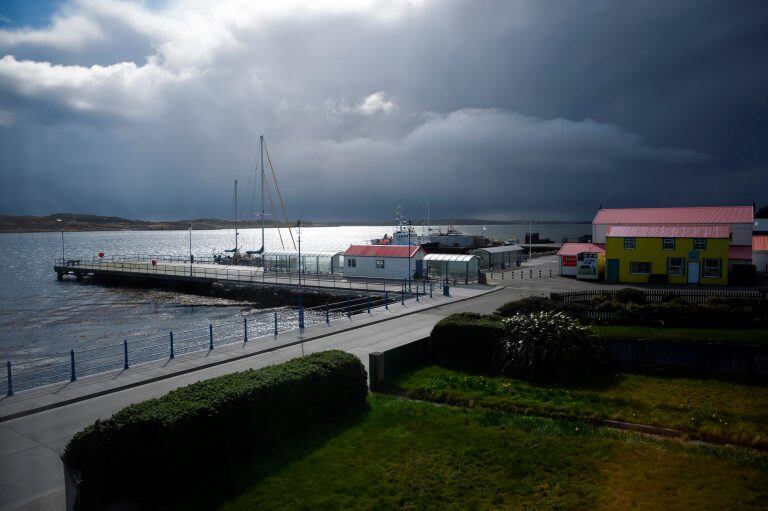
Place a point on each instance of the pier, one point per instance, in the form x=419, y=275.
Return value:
x=175, y=270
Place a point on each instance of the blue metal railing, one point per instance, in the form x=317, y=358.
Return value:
x=124, y=355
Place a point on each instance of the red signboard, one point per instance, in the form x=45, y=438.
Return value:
x=568, y=260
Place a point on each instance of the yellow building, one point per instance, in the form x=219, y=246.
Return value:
x=667, y=254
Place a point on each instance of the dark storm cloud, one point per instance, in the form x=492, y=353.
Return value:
x=493, y=109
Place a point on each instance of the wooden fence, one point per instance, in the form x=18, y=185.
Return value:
x=753, y=296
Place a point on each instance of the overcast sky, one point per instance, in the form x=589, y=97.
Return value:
x=509, y=109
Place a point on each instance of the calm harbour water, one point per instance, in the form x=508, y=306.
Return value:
x=41, y=316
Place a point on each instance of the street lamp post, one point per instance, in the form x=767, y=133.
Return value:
x=190, y=250
x=301, y=307
x=410, y=274
x=62, y=239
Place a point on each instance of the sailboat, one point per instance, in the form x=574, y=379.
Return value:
x=266, y=193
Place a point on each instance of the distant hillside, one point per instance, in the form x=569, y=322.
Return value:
x=82, y=222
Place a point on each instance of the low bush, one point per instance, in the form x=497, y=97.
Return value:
x=466, y=338
x=148, y=451
x=548, y=346
x=539, y=304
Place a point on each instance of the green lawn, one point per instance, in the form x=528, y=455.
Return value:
x=748, y=336
x=708, y=409
x=403, y=454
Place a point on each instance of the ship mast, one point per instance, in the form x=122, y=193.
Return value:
x=263, y=183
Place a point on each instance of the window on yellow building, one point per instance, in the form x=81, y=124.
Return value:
x=713, y=268
x=700, y=244
x=639, y=268
x=668, y=243
x=675, y=266
x=629, y=243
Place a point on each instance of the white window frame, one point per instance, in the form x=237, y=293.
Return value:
x=699, y=241
x=351, y=262
x=664, y=243
x=640, y=273
x=380, y=264
x=630, y=243
x=705, y=269
x=681, y=266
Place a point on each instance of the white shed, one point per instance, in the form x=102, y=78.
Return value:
x=501, y=257
x=383, y=261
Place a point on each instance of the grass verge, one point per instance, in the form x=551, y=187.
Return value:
x=413, y=455
x=706, y=409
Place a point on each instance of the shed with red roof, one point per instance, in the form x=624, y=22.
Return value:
x=581, y=260
x=383, y=261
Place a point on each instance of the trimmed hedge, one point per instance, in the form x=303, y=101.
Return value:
x=541, y=304
x=148, y=451
x=467, y=337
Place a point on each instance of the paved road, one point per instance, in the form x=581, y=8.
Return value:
x=30, y=446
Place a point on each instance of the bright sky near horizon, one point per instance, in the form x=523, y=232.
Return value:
x=498, y=109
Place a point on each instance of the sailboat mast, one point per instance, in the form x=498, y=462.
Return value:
x=263, y=182
x=236, y=233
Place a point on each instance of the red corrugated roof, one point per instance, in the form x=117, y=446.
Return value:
x=698, y=215
x=569, y=249
x=739, y=252
x=667, y=231
x=760, y=243
x=381, y=250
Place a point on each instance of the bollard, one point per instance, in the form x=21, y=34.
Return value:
x=275, y=323
x=530, y=274
x=301, y=317
x=327, y=314
x=72, y=376
x=10, y=379
x=550, y=273
x=210, y=336
x=125, y=354
x=417, y=294
x=172, y=355
x=369, y=305
x=245, y=329
x=402, y=296
x=539, y=273
x=502, y=275
x=430, y=289
x=386, y=300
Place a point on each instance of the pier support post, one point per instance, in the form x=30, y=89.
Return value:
x=72, y=376
x=210, y=336
x=172, y=354
x=125, y=353
x=275, y=323
x=245, y=329
x=10, y=379
x=59, y=275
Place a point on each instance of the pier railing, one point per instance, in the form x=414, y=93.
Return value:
x=253, y=328
x=244, y=274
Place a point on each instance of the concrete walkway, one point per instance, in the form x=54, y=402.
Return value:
x=31, y=444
